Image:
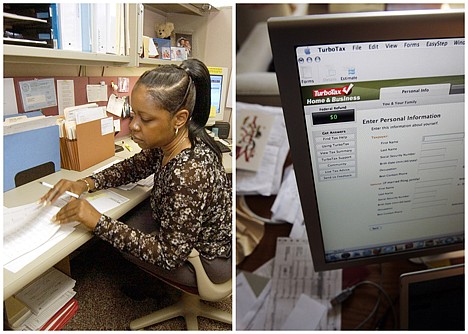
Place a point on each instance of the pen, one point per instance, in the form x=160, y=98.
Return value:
x=66, y=192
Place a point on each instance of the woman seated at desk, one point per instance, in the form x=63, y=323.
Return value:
x=190, y=203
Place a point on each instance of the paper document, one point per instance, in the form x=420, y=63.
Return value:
x=25, y=228
x=22, y=261
x=106, y=200
x=38, y=94
x=306, y=314
x=293, y=276
x=266, y=180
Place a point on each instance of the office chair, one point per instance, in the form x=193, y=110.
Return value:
x=190, y=306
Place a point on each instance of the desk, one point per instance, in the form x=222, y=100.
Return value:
x=28, y=193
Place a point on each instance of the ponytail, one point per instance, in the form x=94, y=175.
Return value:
x=200, y=76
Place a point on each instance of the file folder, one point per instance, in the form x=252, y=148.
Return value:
x=89, y=148
x=29, y=149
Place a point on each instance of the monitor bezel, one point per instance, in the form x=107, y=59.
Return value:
x=286, y=34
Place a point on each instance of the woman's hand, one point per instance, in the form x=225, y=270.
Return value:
x=78, y=210
x=77, y=187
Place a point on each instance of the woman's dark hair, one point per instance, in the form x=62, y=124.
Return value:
x=187, y=86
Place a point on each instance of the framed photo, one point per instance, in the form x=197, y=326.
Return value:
x=184, y=40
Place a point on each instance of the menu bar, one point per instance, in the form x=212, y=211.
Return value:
x=378, y=46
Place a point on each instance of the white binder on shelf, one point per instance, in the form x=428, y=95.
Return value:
x=70, y=26
x=99, y=27
x=111, y=29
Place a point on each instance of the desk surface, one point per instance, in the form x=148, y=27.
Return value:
x=28, y=193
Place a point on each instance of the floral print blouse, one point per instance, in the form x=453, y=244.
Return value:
x=191, y=199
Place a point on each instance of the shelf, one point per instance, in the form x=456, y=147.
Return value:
x=199, y=9
x=157, y=62
x=35, y=55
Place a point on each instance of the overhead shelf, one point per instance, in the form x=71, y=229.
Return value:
x=33, y=55
x=199, y=9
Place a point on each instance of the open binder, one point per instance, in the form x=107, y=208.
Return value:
x=89, y=148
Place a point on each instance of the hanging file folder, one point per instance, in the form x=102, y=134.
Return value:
x=92, y=145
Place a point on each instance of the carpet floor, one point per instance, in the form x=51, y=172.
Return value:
x=100, y=272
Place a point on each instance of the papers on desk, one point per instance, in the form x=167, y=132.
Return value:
x=294, y=287
x=106, y=200
x=28, y=232
x=25, y=228
x=267, y=179
x=287, y=205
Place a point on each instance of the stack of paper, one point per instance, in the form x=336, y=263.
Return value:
x=45, y=298
x=25, y=228
x=266, y=178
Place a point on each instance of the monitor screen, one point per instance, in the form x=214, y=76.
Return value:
x=376, y=131
x=219, y=87
x=216, y=93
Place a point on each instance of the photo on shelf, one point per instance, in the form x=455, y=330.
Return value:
x=185, y=40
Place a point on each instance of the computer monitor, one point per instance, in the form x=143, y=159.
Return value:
x=374, y=110
x=219, y=88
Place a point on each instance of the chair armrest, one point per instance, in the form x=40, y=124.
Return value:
x=208, y=290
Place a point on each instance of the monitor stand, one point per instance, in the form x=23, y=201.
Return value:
x=439, y=257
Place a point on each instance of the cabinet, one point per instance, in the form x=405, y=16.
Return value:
x=196, y=14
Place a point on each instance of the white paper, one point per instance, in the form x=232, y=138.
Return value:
x=245, y=297
x=70, y=112
x=85, y=115
x=267, y=180
x=305, y=315
x=294, y=275
x=96, y=93
x=287, y=205
x=106, y=200
x=65, y=94
x=115, y=105
x=256, y=316
x=10, y=106
x=25, y=228
x=107, y=126
x=22, y=261
x=116, y=125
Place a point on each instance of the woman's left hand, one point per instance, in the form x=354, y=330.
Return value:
x=78, y=210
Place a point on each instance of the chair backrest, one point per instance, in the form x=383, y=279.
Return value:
x=207, y=290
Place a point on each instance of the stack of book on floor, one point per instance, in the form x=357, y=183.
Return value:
x=49, y=301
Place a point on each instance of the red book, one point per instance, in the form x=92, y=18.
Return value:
x=60, y=318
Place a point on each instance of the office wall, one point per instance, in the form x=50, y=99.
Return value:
x=219, y=44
